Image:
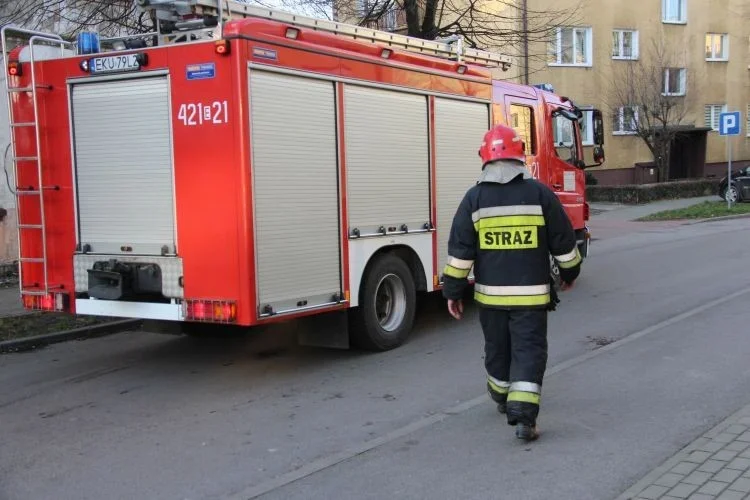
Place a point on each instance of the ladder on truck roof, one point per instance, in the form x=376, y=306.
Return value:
x=192, y=14
x=20, y=162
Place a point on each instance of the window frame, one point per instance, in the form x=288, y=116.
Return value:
x=665, y=4
x=725, y=46
x=714, y=116
x=588, y=47
x=530, y=142
x=682, y=79
x=635, y=49
x=621, y=120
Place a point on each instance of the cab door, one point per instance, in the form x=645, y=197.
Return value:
x=522, y=114
x=566, y=178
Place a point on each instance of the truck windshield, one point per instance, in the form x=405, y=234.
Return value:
x=564, y=135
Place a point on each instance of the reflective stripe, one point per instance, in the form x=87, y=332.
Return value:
x=511, y=300
x=455, y=273
x=524, y=397
x=460, y=263
x=497, y=386
x=509, y=221
x=512, y=290
x=483, y=213
x=567, y=257
x=573, y=262
x=526, y=387
x=498, y=383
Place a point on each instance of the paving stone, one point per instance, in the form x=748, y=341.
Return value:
x=713, y=488
x=744, y=454
x=712, y=466
x=697, y=478
x=744, y=421
x=698, y=456
x=738, y=446
x=701, y=496
x=725, y=455
x=670, y=479
x=712, y=446
x=736, y=429
x=739, y=463
x=683, y=490
x=742, y=484
x=727, y=475
x=731, y=495
x=684, y=468
x=653, y=492
x=725, y=437
x=744, y=437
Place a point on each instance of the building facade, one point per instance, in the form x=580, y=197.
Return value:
x=708, y=53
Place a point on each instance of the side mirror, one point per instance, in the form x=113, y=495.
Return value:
x=598, y=155
x=598, y=124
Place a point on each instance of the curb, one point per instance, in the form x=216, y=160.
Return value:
x=719, y=219
x=30, y=343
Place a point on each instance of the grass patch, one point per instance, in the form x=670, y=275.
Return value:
x=39, y=323
x=705, y=210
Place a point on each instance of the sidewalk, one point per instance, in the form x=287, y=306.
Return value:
x=620, y=212
x=714, y=466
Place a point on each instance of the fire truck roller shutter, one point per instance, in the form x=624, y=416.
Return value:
x=123, y=158
x=387, y=155
x=295, y=190
x=459, y=128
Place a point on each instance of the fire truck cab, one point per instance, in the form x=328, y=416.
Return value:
x=243, y=166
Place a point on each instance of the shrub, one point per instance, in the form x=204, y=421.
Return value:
x=591, y=180
x=634, y=194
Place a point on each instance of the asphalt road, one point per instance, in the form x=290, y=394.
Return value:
x=152, y=416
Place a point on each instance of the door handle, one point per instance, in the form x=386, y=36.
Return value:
x=557, y=186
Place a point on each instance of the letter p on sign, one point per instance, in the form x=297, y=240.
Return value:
x=729, y=123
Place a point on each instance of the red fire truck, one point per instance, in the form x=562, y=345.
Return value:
x=245, y=166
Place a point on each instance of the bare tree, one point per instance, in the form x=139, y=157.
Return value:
x=649, y=98
x=506, y=25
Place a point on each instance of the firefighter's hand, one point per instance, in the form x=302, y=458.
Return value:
x=567, y=286
x=456, y=308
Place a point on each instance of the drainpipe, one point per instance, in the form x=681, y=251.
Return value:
x=525, y=42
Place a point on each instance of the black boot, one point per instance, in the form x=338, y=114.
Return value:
x=502, y=407
x=527, y=432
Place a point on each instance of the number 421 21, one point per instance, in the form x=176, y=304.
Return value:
x=193, y=114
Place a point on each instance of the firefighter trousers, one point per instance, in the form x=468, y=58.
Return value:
x=515, y=346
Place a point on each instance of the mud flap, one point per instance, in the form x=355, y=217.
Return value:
x=329, y=330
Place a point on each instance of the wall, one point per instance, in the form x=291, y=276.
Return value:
x=707, y=82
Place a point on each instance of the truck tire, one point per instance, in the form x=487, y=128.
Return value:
x=387, y=305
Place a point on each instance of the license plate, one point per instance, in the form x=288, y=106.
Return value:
x=112, y=64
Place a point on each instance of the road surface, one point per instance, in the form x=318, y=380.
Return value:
x=646, y=353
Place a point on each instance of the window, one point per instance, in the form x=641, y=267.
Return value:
x=522, y=121
x=562, y=132
x=625, y=120
x=712, y=112
x=673, y=11
x=717, y=47
x=571, y=47
x=674, y=81
x=748, y=121
x=587, y=125
x=624, y=44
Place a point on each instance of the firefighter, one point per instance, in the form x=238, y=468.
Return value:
x=506, y=227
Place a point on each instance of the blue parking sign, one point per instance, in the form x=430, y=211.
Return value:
x=729, y=123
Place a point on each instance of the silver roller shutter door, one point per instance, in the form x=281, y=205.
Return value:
x=123, y=155
x=295, y=185
x=459, y=129
x=387, y=159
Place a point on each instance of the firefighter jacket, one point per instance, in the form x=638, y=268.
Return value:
x=506, y=227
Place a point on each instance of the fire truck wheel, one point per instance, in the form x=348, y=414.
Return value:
x=385, y=315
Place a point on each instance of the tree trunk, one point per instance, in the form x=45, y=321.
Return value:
x=412, y=17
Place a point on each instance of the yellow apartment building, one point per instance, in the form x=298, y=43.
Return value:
x=708, y=48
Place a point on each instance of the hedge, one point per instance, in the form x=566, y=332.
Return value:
x=634, y=194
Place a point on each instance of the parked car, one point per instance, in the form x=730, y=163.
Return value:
x=740, y=188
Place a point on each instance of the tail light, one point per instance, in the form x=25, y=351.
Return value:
x=14, y=68
x=210, y=311
x=586, y=211
x=222, y=47
x=57, y=302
